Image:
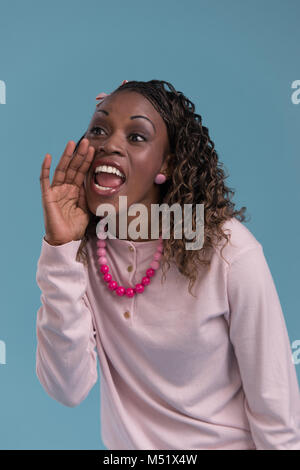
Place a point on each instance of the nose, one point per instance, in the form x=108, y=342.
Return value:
x=110, y=147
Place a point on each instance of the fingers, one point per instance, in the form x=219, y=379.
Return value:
x=45, y=172
x=77, y=160
x=84, y=167
x=70, y=164
x=60, y=171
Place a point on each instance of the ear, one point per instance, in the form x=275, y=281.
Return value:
x=165, y=166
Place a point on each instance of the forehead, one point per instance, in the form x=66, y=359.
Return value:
x=127, y=103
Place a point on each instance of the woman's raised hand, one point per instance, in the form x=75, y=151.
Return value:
x=64, y=201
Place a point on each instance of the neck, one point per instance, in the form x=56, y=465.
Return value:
x=144, y=237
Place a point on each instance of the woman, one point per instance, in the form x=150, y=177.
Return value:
x=209, y=369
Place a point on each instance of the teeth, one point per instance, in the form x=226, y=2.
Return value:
x=102, y=187
x=108, y=169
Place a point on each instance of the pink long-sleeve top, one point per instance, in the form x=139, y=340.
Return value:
x=177, y=372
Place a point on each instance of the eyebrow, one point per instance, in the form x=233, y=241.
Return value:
x=131, y=117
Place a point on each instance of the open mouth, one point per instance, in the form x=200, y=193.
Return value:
x=108, y=178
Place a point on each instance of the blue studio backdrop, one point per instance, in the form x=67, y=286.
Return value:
x=238, y=61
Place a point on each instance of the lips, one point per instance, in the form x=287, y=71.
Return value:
x=108, y=162
x=111, y=190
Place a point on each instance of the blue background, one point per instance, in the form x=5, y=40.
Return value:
x=236, y=60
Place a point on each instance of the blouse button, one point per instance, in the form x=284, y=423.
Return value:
x=127, y=314
x=131, y=248
x=129, y=268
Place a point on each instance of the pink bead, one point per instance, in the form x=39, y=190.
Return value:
x=129, y=292
x=139, y=288
x=112, y=285
x=150, y=272
x=145, y=281
x=154, y=265
x=104, y=268
x=120, y=291
x=107, y=277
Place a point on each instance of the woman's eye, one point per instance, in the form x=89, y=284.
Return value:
x=94, y=128
x=100, y=128
x=139, y=136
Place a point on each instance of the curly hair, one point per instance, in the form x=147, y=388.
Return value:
x=196, y=177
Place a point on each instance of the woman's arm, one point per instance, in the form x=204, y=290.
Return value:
x=261, y=343
x=66, y=356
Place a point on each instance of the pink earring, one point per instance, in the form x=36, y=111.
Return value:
x=160, y=178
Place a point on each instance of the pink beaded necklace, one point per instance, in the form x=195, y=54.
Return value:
x=113, y=285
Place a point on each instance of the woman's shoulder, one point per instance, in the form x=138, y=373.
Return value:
x=241, y=239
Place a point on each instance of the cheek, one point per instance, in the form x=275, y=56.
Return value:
x=143, y=179
x=146, y=169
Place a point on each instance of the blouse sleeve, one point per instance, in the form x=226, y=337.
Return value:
x=261, y=344
x=66, y=356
